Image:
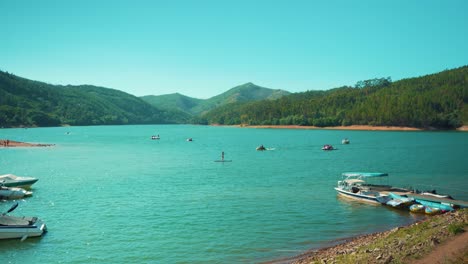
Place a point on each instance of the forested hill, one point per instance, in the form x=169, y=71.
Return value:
x=247, y=92
x=25, y=102
x=437, y=100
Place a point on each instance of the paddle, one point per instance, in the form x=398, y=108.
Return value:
x=11, y=209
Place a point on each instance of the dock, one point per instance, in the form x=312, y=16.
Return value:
x=453, y=202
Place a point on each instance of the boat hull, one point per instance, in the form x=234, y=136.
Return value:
x=362, y=197
x=20, y=184
x=23, y=231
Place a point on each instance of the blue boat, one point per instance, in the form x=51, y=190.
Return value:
x=441, y=206
x=398, y=201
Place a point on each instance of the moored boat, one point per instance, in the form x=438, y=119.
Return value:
x=354, y=186
x=398, y=201
x=13, y=192
x=10, y=180
x=441, y=206
x=20, y=227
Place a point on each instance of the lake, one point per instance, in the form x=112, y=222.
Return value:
x=110, y=194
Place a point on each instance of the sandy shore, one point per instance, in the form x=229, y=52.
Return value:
x=354, y=127
x=6, y=143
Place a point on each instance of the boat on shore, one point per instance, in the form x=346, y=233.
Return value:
x=10, y=180
x=354, y=186
x=20, y=227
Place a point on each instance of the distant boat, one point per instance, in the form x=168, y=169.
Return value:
x=155, y=137
x=261, y=148
x=328, y=147
x=345, y=141
x=354, y=186
x=189, y=139
x=20, y=227
x=10, y=180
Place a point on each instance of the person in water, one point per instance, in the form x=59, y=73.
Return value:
x=222, y=155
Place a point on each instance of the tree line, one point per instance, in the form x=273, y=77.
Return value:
x=436, y=100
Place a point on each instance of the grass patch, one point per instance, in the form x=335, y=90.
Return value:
x=456, y=228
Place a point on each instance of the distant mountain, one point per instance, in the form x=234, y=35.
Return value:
x=173, y=101
x=248, y=92
x=25, y=102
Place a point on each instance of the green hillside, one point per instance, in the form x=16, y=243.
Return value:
x=243, y=93
x=432, y=101
x=31, y=103
x=173, y=101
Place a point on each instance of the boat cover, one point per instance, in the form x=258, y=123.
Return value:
x=364, y=174
x=6, y=220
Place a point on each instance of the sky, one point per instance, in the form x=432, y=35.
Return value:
x=202, y=48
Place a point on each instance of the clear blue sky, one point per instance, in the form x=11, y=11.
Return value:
x=203, y=48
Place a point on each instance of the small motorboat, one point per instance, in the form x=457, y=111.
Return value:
x=354, y=186
x=155, y=137
x=417, y=208
x=261, y=148
x=328, y=147
x=20, y=227
x=189, y=139
x=345, y=141
x=10, y=180
x=13, y=193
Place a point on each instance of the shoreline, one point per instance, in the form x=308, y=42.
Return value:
x=6, y=143
x=352, y=127
x=425, y=241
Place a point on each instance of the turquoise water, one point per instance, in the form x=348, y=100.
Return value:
x=109, y=194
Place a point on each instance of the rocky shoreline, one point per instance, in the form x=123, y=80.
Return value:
x=423, y=242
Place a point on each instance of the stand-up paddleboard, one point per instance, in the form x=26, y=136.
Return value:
x=222, y=158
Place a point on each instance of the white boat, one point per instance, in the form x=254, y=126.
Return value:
x=345, y=141
x=20, y=227
x=10, y=180
x=354, y=186
x=13, y=193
